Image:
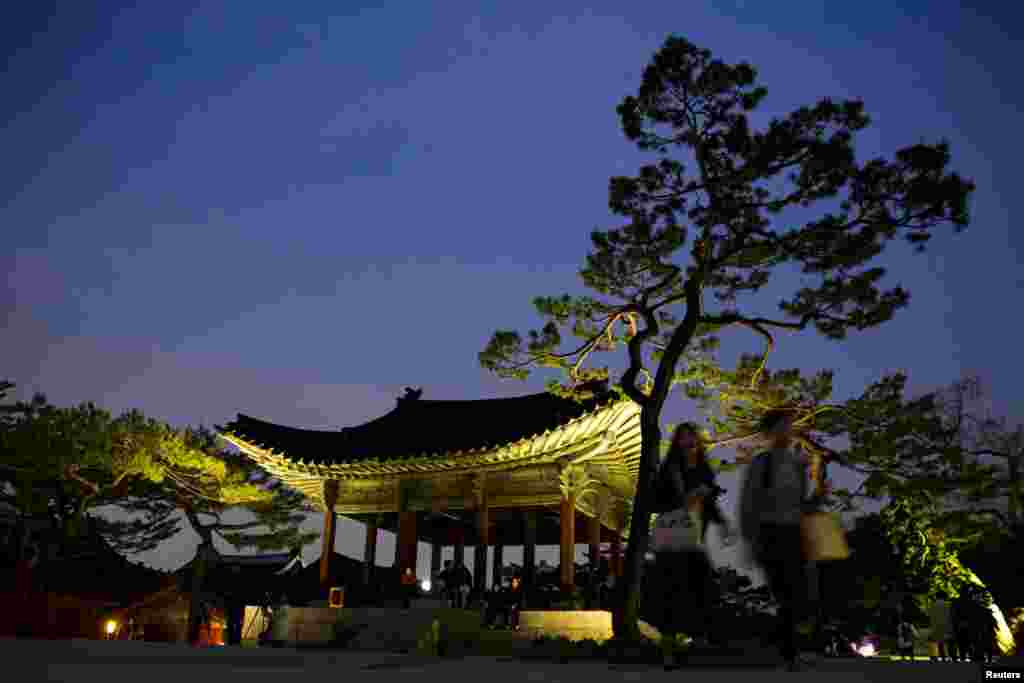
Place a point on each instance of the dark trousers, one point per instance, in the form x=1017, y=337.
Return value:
x=685, y=592
x=780, y=553
x=984, y=644
x=964, y=651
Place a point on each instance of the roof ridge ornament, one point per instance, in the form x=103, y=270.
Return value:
x=410, y=395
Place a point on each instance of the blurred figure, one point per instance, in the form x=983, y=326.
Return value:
x=772, y=502
x=687, y=486
x=981, y=624
x=905, y=635
x=960, y=615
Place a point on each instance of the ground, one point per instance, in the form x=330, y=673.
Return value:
x=87, y=661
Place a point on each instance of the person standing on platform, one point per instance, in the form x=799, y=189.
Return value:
x=514, y=602
x=461, y=582
x=408, y=588
x=446, y=577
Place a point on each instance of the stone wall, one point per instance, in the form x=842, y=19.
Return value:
x=374, y=628
x=571, y=624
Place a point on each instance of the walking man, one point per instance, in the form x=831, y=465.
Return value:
x=774, y=496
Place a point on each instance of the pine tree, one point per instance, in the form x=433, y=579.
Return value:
x=721, y=210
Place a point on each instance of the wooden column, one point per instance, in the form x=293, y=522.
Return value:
x=370, y=550
x=529, y=552
x=594, y=541
x=435, y=563
x=615, y=566
x=498, y=560
x=567, y=541
x=482, y=541
x=407, y=554
x=405, y=543
x=330, y=492
x=459, y=553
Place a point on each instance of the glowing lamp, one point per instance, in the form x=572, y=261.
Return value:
x=425, y=585
x=866, y=650
x=111, y=627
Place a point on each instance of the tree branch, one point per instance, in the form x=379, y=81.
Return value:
x=636, y=357
x=734, y=319
x=993, y=453
x=71, y=472
x=240, y=526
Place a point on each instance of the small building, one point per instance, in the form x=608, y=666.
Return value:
x=537, y=469
x=232, y=583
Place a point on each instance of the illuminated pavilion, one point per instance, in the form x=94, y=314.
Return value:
x=536, y=469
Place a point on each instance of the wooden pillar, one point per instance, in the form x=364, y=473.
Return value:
x=498, y=560
x=480, y=566
x=482, y=541
x=407, y=554
x=330, y=492
x=567, y=543
x=435, y=564
x=529, y=552
x=459, y=553
x=594, y=541
x=370, y=550
x=615, y=566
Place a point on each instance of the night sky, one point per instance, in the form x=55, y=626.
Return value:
x=292, y=212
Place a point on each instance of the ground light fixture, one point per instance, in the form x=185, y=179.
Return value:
x=425, y=585
x=111, y=627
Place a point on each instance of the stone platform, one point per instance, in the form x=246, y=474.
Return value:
x=571, y=624
x=373, y=628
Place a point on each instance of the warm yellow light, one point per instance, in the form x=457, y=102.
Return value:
x=111, y=627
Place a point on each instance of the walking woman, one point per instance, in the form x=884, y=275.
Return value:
x=687, y=482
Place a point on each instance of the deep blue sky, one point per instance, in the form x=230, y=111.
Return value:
x=209, y=208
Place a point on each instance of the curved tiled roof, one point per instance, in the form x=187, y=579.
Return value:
x=417, y=427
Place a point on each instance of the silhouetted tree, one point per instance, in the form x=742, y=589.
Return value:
x=64, y=462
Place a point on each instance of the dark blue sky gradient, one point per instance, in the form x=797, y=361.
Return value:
x=208, y=208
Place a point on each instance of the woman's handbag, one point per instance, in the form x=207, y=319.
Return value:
x=822, y=537
x=677, y=530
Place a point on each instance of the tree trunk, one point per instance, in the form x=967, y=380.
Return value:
x=1013, y=500
x=200, y=567
x=627, y=609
